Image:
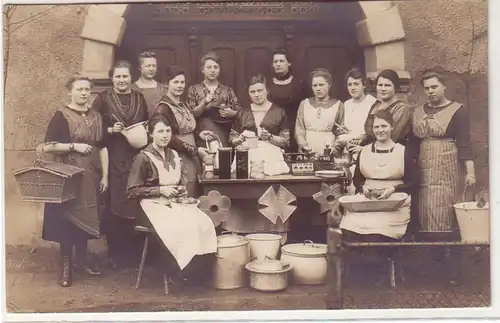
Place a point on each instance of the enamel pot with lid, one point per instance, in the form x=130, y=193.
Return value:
x=308, y=261
x=232, y=256
x=268, y=274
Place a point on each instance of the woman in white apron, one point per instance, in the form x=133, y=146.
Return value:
x=157, y=177
x=319, y=122
x=320, y=119
x=382, y=165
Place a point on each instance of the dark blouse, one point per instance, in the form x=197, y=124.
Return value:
x=137, y=113
x=401, y=115
x=410, y=177
x=288, y=96
x=458, y=129
x=58, y=130
x=223, y=95
x=143, y=181
x=175, y=143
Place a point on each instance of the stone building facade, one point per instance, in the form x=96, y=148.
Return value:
x=46, y=43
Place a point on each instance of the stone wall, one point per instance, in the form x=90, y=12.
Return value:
x=442, y=35
x=43, y=50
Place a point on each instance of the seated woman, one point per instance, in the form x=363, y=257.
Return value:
x=267, y=120
x=386, y=167
x=157, y=179
x=183, y=126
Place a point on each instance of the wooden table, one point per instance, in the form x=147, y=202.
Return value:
x=301, y=187
x=246, y=189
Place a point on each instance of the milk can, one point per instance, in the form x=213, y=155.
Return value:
x=233, y=253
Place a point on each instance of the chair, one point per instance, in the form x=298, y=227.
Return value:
x=147, y=231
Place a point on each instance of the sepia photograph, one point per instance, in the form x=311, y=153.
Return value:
x=246, y=156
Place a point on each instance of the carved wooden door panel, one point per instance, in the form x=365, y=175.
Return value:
x=243, y=55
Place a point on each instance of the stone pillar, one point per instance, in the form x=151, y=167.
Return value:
x=382, y=36
x=102, y=32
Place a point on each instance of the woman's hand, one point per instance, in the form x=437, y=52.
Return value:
x=117, y=127
x=366, y=191
x=238, y=140
x=354, y=149
x=387, y=192
x=227, y=112
x=83, y=149
x=181, y=190
x=209, y=99
x=104, y=184
x=168, y=191
x=470, y=180
x=265, y=135
x=202, y=152
x=208, y=135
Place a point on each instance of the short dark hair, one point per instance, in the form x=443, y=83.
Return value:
x=257, y=79
x=437, y=72
x=119, y=64
x=156, y=119
x=210, y=56
x=281, y=51
x=356, y=74
x=390, y=75
x=74, y=78
x=385, y=115
x=173, y=71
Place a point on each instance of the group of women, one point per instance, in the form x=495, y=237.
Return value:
x=123, y=186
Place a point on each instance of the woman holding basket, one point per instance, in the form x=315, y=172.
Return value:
x=76, y=136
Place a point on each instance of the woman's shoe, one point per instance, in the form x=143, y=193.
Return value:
x=65, y=279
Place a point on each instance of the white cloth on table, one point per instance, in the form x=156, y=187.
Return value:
x=184, y=229
x=271, y=155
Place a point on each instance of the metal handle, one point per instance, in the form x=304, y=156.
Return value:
x=39, y=152
x=224, y=232
x=308, y=242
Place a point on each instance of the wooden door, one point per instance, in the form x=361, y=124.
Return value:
x=243, y=55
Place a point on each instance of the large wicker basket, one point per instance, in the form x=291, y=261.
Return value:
x=48, y=182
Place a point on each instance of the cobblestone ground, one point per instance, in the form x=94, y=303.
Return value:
x=31, y=282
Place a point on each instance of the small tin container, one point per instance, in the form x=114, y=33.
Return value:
x=225, y=160
x=242, y=163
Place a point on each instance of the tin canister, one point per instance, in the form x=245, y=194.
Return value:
x=242, y=163
x=225, y=160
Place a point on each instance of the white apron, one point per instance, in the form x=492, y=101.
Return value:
x=381, y=170
x=319, y=123
x=184, y=229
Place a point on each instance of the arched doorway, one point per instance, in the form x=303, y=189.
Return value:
x=331, y=35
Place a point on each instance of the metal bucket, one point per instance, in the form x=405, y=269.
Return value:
x=232, y=255
x=474, y=222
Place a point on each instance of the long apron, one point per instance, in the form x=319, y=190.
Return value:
x=441, y=177
x=319, y=123
x=184, y=229
x=192, y=164
x=86, y=209
x=381, y=171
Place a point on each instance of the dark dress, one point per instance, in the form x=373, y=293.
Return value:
x=275, y=121
x=183, y=124
x=288, y=95
x=130, y=109
x=78, y=219
x=401, y=114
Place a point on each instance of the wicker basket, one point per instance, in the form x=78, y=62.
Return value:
x=48, y=182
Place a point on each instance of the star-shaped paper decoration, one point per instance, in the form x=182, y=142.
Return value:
x=328, y=198
x=277, y=202
x=216, y=206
